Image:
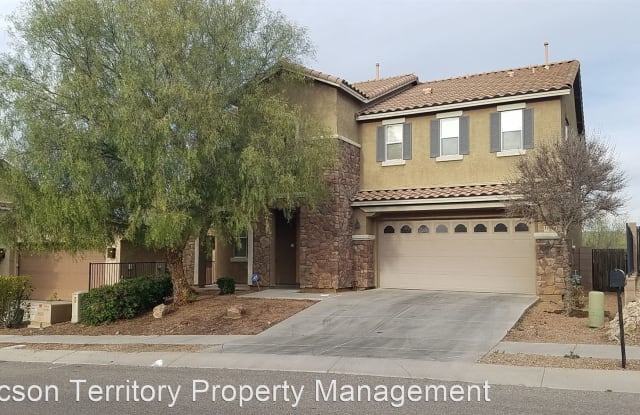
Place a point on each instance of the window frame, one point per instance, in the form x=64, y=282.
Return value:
x=387, y=127
x=503, y=130
x=241, y=248
x=457, y=137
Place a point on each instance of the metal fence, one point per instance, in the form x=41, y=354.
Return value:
x=107, y=273
x=605, y=260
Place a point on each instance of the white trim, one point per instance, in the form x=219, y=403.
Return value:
x=451, y=114
x=348, y=140
x=452, y=157
x=463, y=105
x=511, y=107
x=249, y=256
x=363, y=237
x=545, y=235
x=393, y=121
x=510, y=153
x=434, y=201
x=387, y=163
x=238, y=259
x=423, y=208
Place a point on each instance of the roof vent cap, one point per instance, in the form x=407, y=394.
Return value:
x=426, y=91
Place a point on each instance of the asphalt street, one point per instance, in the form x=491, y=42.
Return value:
x=75, y=389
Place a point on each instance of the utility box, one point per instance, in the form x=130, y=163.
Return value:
x=76, y=300
x=45, y=313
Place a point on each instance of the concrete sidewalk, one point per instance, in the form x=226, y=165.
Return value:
x=572, y=379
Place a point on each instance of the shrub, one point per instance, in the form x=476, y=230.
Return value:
x=125, y=299
x=14, y=290
x=227, y=285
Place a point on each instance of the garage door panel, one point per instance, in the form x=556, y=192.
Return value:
x=482, y=262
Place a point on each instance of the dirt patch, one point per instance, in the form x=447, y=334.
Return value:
x=126, y=348
x=545, y=322
x=203, y=316
x=557, y=361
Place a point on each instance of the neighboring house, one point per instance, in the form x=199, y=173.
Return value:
x=418, y=200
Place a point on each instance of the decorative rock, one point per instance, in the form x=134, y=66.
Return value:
x=160, y=311
x=235, y=312
x=631, y=313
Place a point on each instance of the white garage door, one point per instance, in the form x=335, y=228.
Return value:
x=462, y=255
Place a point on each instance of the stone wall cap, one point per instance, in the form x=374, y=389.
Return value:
x=546, y=235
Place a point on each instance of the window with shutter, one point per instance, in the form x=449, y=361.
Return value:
x=393, y=143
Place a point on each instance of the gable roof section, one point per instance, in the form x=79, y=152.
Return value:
x=370, y=197
x=556, y=77
x=376, y=88
x=366, y=91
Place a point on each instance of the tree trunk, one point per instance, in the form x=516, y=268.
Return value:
x=566, y=271
x=181, y=286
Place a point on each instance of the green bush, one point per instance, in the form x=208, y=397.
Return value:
x=14, y=290
x=227, y=285
x=125, y=299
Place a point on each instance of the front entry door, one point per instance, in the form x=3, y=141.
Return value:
x=285, y=236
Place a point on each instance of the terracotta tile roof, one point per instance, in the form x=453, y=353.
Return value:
x=510, y=82
x=365, y=90
x=375, y=88
x=430, y=193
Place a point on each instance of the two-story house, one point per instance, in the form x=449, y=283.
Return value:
x=418, y=200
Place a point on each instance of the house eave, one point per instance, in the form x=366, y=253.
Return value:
x=433, y=201
x=461, y=105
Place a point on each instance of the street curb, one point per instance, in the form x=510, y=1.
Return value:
x=553, y=378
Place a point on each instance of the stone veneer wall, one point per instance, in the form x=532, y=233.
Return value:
x=363, y=257
x=326, y=257
x=549, y=269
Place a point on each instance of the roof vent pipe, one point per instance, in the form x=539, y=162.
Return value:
x=546, y=55
x=377, y=71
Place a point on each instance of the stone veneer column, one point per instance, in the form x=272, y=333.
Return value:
x=549, y=269
x=363, y=257
x=262, y=248
x=325, y=249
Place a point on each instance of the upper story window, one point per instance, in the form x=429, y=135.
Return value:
x=449, y=136
x=393, y=144
x=393, y=141
x=511, y=129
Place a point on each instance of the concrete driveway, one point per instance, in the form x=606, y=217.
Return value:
x=427, y=325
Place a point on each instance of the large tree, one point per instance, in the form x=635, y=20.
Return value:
x=152, y=120
x=565, y=183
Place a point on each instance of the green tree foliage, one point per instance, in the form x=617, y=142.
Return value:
x=605, y=233
x=153, y=120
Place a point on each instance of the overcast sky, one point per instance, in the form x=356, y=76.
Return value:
x=438, y=39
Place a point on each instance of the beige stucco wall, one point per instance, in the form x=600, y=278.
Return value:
x=132, y=253
x=58, y=275
x=569, y=111
x=226, y=267
x=319, y=101
x=346, y=108
x=478, y=167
